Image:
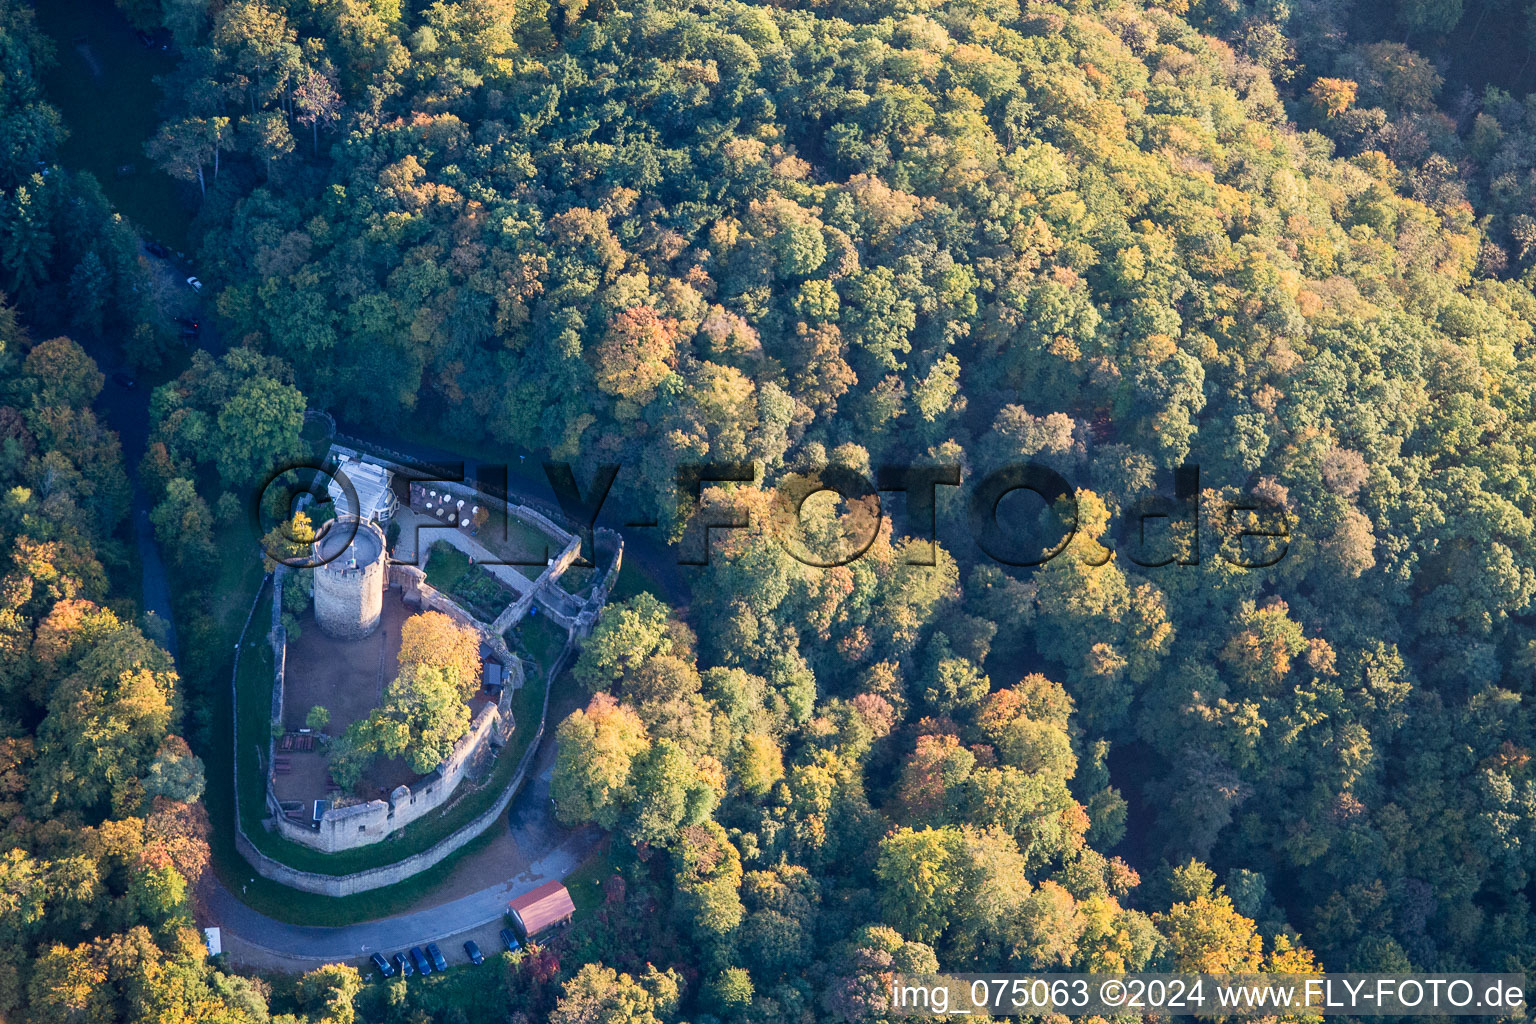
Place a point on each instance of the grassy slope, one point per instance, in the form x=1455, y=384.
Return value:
x=634, y=579
x=541, y=638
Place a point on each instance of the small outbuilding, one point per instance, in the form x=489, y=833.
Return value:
x=373, y=486
x=546, y=907
x=491, y=682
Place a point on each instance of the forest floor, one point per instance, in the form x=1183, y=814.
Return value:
x=104, y=85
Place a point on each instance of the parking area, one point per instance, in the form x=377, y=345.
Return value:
x=250, y=955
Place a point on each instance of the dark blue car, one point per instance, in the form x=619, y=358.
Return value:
x=472, y=950
x=423, y=965
x=436, y=954
x=509, y=940
x=383, y=965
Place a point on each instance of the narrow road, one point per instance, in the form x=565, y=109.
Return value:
x=543, y=850
x=157, y=585
x=126, y=410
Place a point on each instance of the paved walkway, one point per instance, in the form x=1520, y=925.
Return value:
x=417, y=530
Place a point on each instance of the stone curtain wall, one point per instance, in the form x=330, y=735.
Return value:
x=277, y=636
x=389, y=874
x=586, y=619
x=355, y=825
x=370, y=822
x=579, y=617
x=346, y=828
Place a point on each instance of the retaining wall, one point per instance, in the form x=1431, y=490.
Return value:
x=412, y=582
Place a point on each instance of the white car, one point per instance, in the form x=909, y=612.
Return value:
x=194, y=284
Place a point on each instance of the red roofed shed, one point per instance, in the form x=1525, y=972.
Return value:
x=548, y=905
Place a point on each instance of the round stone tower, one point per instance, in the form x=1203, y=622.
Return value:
x=349, y=587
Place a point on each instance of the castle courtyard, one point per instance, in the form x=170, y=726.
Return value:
x=347, y=678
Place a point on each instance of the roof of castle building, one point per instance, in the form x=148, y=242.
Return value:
x=549, y=904
x=343, y=544
x=371, y=483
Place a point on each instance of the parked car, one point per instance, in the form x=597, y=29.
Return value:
x=423, y=965
x=438, y=961
x=472, y=950
x=123, y=380
x=157, y=250
x=382, y=964
x=404, y=963
x=509, y=940
x=194, y=284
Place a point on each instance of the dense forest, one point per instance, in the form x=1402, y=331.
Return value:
x=1272, y=240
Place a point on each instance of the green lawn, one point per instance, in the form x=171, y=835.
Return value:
x=634, y=580
x=450, y=572
x=445, y=565
x=585, y=884
x=540, y=637
x=527, y=706
x=254, y=693
x=526, y=548
x=110, y=117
